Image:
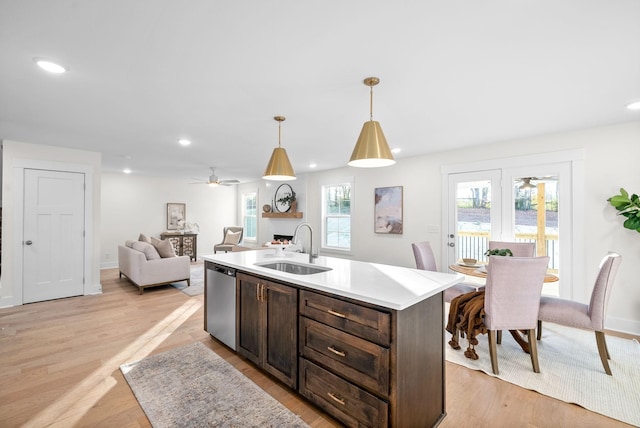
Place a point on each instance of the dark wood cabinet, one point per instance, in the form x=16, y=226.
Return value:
x=184, y=244
x=267, y=326
x=364, y=364
x=370, y=366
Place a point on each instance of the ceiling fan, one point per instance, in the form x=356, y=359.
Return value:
x=213, y=180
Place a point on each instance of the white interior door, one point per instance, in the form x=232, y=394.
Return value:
x=53, y=236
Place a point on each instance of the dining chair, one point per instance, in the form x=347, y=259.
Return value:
x=512, y=300
x=586, y=317
x=519, y=249
x=425, y=260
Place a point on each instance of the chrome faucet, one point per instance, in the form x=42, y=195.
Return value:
x=294, y=240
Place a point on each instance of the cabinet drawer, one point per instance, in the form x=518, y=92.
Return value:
x=368, y=323
x=362, y=362
x=351, y=405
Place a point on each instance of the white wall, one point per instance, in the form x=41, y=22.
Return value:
x=17, y=155
x=611, y=162
x=133, y=204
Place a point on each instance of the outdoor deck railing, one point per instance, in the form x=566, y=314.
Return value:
x=474, y=245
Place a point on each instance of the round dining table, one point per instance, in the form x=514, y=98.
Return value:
x=475, y=271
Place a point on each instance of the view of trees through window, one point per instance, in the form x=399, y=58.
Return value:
x=536, y=216
x=337, y=216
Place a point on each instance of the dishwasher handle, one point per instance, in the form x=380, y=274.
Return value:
x=224, y=270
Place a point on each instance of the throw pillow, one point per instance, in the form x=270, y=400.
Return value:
x=149, y=250
x=129, y=243
x=232, y=237
x=144, y=238
x=165, y=248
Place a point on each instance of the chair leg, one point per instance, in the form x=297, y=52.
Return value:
x=539, y=330
x=533, y=349
x=499, y=337
x=603, y=351
x=493, y=352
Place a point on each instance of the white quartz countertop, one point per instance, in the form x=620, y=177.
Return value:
x=389, y=286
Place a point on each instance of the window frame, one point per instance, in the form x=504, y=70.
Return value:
x=325, y=216
x=245, y=216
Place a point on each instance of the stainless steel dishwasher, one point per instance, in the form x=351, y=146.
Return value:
x=221, y=303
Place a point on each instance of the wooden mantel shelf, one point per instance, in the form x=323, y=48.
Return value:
x=282, y=215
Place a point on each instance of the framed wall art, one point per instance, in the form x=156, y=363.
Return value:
x=176, y=216
x=388, y=210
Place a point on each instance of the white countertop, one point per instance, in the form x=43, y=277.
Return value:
x=389, y=286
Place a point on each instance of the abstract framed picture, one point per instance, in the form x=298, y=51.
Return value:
x=176, y=216
x=388, y=210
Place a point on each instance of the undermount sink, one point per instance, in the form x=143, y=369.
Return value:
x=295, y=268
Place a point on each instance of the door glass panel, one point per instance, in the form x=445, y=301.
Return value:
x=536, y=219
x=473, y=219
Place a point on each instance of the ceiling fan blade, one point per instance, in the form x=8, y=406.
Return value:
x=230, y=181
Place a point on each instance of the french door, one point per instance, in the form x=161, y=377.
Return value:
x=516, y=204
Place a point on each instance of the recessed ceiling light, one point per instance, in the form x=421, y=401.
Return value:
x=634, y=105
x=126, y=171
x=184, y=142
x=396, y=150
x=49, y=66
x=313, y=165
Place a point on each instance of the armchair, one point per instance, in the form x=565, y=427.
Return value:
x=231, y=236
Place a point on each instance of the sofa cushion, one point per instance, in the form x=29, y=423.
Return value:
x=164, y=247
x=129, y=243
x=144, y=238
x=149, y=250
x=232, y=237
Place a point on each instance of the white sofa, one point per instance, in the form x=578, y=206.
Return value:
x=148, y=273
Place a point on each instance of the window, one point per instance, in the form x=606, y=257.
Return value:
x=250, y=216
x=336, y=216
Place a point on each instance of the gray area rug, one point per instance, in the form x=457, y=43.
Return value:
x=197, y=281
x=570, y=369
x=192, y=386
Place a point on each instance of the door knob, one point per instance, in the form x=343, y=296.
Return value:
x=451, y=244
x=28, y=242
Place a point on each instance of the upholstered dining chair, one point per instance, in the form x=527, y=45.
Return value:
x=586, y=317
x=512, y=300
x=425, y=260
x=231, y=236
x=519, y=249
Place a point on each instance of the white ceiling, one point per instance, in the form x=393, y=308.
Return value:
x=144, y=73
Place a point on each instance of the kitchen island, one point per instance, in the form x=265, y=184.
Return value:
x=363, y=341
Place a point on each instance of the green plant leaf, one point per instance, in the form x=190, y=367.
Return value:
x=624, y=193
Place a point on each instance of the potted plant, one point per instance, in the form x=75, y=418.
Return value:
x=289, y=200
x=499, y=252
x=628, y=207
x=505, y=252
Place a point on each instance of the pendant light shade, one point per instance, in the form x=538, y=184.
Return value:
x=371, y=150
x=279, y=168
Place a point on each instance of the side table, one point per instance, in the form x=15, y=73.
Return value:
x=185, y=244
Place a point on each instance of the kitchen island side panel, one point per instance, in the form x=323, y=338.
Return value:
x=417, y=365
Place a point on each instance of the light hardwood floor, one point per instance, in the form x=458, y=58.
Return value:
x=59, y=366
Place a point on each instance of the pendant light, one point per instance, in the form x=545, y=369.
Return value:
x=279, y=168
x=371, y=150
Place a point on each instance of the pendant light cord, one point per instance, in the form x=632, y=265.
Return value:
x=371, y=103
x=279, y=133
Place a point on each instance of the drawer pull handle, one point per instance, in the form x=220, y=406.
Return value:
x=338, y=314
x=336, y=399
x=335, y=351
